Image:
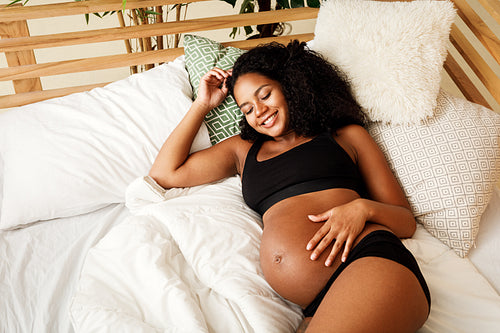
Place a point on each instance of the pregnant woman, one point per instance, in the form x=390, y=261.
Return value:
x=333, y=212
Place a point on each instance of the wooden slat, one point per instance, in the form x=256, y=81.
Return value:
x=250, y=43
x=20, y=58
x=156, y=56
x=492, y=7
x=203, y=24
x=88, y=64
x=479, y=28
x=10, y=101
x=463, y=82
x=490, y=80
x=122, y=60
x=78, y=7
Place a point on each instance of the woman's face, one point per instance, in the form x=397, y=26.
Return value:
x=262, y=102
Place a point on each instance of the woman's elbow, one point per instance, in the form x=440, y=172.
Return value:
x=411, y=226
x=159, y=177
x=411, y=229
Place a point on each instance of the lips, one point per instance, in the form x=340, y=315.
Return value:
x=269, y=121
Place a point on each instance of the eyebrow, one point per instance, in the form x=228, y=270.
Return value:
x=255, y=93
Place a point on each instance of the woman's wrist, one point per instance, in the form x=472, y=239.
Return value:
x=200, y=107
x=397, y=218
x=364, y=206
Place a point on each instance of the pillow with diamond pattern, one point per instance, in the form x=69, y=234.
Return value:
x=448, y=167
x=203, y=54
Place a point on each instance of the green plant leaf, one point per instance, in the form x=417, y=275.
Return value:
x=231, y=2
x=313, y=3
x=14, y=2
x=283, y=3
x=247, y=6
x=297, y=3
x=233, y=32
x=108, y=13
x=151, y=12
x=248, y=30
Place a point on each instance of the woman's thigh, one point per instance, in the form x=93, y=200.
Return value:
x=372, y=295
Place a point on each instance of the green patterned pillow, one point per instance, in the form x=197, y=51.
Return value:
x=203, y=54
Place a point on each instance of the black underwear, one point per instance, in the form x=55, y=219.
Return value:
x=382, y=244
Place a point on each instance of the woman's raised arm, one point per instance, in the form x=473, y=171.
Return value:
x=174, y=166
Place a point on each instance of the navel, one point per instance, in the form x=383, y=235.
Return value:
x=277, y=258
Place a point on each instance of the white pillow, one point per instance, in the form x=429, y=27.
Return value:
x=392, y=52
x=74, y=154
x=448, y=167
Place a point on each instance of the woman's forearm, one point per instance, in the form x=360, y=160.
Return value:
x=172, y=167
x=397, y=218
x=176, y=148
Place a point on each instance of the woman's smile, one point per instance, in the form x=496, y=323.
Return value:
x=269, y=121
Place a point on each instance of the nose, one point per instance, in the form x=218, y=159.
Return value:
x=260, y=108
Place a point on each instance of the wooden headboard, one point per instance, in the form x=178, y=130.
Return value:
x=472, y=64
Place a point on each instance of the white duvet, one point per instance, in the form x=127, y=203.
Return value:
x=188, y=261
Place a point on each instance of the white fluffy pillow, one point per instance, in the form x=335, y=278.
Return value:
x=392, y=52
x=448, y=167
x=71, y=155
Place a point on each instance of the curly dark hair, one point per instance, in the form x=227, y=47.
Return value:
x=318, y=94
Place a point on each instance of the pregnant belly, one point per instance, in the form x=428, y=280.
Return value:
x=285, y=262
x=286, y=265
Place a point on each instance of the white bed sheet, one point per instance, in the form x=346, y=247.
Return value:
x=486, y=254
x=40, y=266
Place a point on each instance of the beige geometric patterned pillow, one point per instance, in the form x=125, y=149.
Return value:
x=448, y=166
x=203, y=54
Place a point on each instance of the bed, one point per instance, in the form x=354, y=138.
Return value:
x=90, y=243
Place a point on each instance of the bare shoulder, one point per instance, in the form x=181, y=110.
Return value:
x=353, y=133
x=355, y=140
x=238, y=147
x=237, y=144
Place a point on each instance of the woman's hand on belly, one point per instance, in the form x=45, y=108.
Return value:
x=341, y=225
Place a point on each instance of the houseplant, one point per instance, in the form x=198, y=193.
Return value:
x=268, y=30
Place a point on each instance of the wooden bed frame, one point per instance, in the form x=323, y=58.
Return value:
x=469, y=68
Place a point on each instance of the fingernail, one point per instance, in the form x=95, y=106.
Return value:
x=313, y=256
x=308, y=247
x=344, y=259
x=328, y=263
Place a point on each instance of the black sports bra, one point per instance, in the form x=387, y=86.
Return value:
x=315, y=165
